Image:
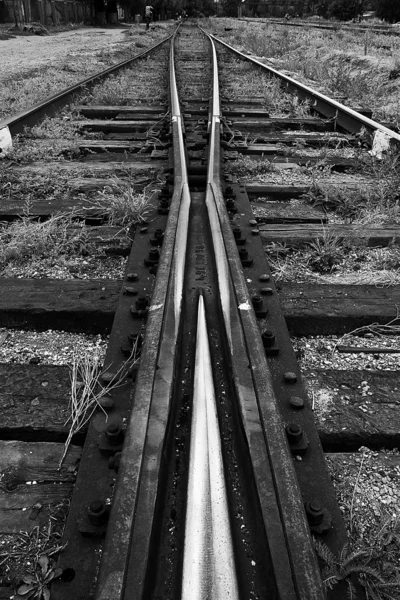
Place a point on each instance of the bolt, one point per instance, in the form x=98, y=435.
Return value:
x=243, y=254
x=266, y=291
x=154, y=254
x=296, y=402
x=130, y=291
x=257, y=302
x=141, y=303
x=132, y=276
x=106, y=402
x=255, y=231
x=108, y=377
x=114, y=434
x=253, y=222
x=230, y=205
x=315, y=512
x=290, y=377
x=97, y=512
x=237, y=233
x=264, y=277
x=229, y=189
x=158, y=233
x=268, y=338
x=126, y=350
x=294, y=433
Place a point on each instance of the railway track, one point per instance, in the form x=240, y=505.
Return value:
x=355, y=28
x=206, y=476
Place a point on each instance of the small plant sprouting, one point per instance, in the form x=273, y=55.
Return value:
x=347, y=564
x=327, y=252
x=36, y=587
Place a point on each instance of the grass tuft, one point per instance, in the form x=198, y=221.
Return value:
x=122, y=204
x=27, y=239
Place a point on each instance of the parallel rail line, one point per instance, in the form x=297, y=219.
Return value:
x=208, y=500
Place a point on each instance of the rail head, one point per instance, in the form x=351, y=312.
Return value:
x=346, y=117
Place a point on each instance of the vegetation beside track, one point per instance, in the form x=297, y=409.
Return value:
x=27, y=87
x=364, y=68
x=245, y=81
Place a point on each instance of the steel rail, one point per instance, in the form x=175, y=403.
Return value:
x=345, y=117
x=132, y=512
x=295, y=566
x=208, y=561
x=30, y=116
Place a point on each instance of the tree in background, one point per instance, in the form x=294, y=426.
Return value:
x=318, y=7
x=388, y=10
x=344, y=10
x=230, y=8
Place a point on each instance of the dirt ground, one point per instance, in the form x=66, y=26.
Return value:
x=36, y=67
x=23, y=54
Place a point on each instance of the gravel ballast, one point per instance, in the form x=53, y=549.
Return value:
x=48, y=347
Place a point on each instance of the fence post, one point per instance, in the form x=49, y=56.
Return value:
x=53, y=12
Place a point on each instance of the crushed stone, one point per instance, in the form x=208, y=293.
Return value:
x=49, y=347
x=319, y=352
x=69, y=268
